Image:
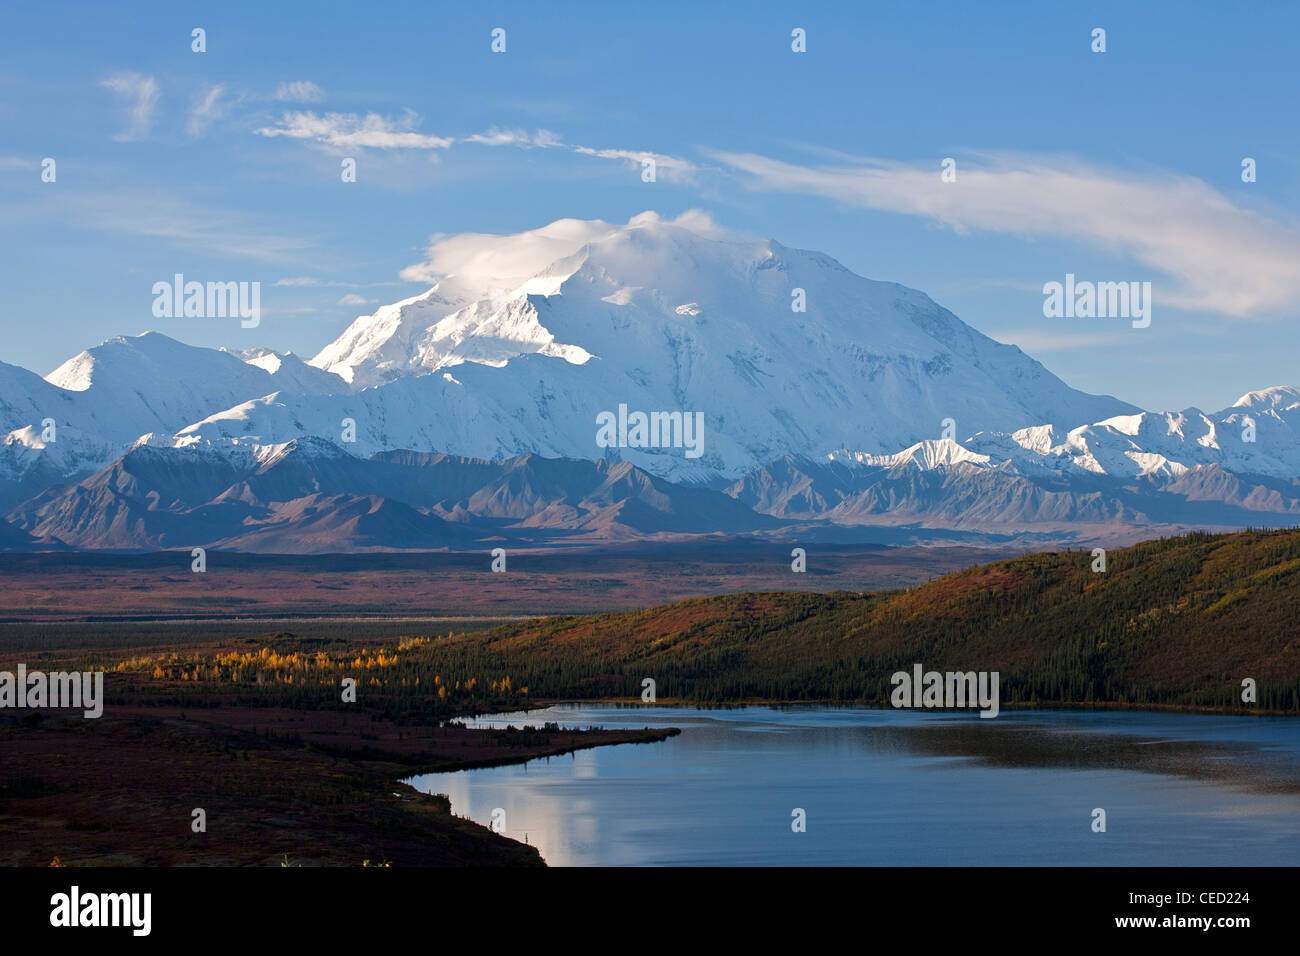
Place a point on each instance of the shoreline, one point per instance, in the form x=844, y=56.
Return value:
x=313, y=788
x=645, y=735
x=1074, y=706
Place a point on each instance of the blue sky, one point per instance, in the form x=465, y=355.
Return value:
x=224, y=165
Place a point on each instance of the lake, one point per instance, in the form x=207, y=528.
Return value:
x=894, y=787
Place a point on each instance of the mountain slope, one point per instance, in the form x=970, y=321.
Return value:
x=14, y=539
x=309, y=496
x=656, y=317
x=952, y=488
x=151, y=383
x=1178, y=621
x=26, y=399
x=482, y=400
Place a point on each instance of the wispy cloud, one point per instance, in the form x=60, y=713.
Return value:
x=353, y=299
x=676, y=168
x=1222, y=258
x=662, y=160
x=206, y=109
x=374, y=131
x=299, y=91
x=140, y=94
x=349, y=130
x=1205, y=251
x=514, y=137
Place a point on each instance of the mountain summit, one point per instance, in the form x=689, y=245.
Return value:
x=784, y=351
x=596, y=381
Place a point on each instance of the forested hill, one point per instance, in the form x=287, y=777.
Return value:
x=1177, y=622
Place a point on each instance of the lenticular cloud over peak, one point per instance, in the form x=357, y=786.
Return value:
x=481, y=255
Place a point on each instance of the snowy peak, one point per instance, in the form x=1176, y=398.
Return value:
x=1278, y=397
x=480, y=305
x=782, y=351
x=1258, y=438
x=150, y=356
x=523, y=345
x=131, y=385
x=290, y=373
x=924, y=455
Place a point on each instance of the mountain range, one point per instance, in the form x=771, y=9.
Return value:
x=830, y=403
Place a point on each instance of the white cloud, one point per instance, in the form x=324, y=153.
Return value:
x=206, y=110
x=299, y=91
x=637, y=157
x=484, y=255
x=353, y=299
x=477, y=255
x=373, y=131
x=1222, y=258
x=140, y=93
x=514, y=137
x=298, y=281
x=349, y=130
x=694, y=220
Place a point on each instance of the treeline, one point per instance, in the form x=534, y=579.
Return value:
x=1177, y=622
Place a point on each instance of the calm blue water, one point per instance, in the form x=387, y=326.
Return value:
x=886, y=787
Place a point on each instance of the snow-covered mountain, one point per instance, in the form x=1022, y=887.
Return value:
x=102, y=400
x=152, y=383
x=833, y=412
x=129, y=386
x=1232, y=468
x=656, y=317
x=1259, y=434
